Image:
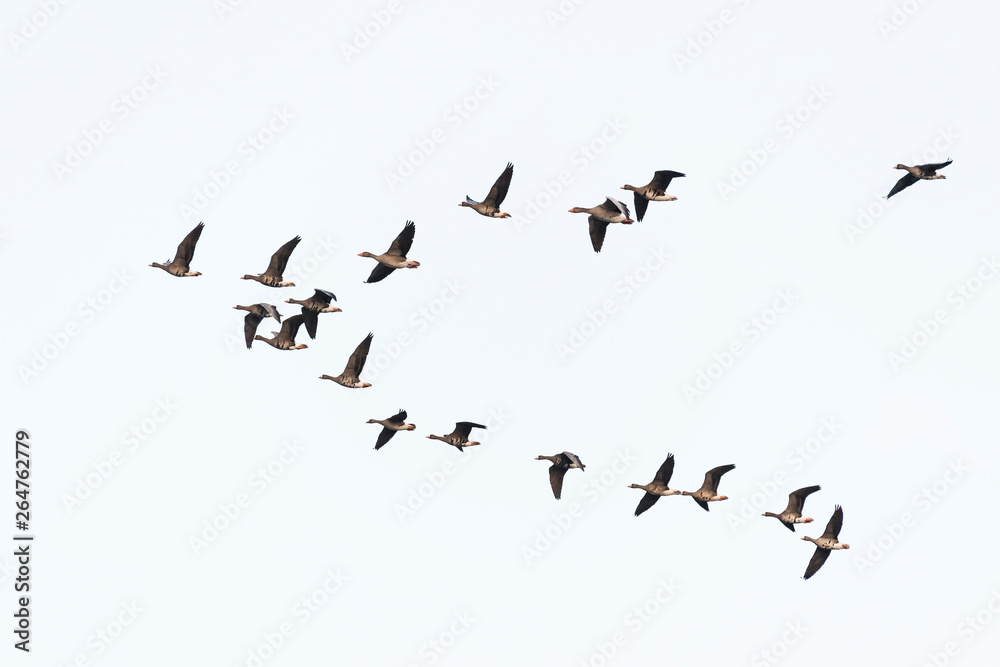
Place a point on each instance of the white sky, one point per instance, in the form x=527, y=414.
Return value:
x=456, y=571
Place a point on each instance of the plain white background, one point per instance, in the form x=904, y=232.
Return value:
x=787, y=119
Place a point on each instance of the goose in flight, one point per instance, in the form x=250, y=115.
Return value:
x=793, y=513
x=395, y=257
x=255, y=314
x=709, y=490
x=350, y=377
x=459, y=438
x=285, y=339
x=655, y=190
x=318, y=303
x=272, y=277
x=601, y=216
x=826, y=542
x=490, y=207
x=925, y=172
x=181, y=264
x=658, y=487
x=397, y=422
x=560, y=464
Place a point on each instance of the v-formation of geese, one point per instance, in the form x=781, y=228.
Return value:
x=599, y=217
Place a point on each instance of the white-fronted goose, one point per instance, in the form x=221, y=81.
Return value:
x=560, y=464
x=181, y=264
x=255, y=314
x=397, y=422
x=285, y=339
x=658, y=487
x=655, y=190
x=490, y=207
x=272, y=277
x=459, y=438
x=709, y=490
x=350, y=377
x=318, y=303
x=601, y=216
x=923, y=172
x=826, y=542
x=395, y=257
x=793, y=513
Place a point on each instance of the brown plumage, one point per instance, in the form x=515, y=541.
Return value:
x=395, y=257
x=350, y=377
x=181, y=264
x=490, y=207
x=279, y=260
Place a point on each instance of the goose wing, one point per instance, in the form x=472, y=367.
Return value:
x=399, y=417
x=647, y=501
x=185, y=251
x=384, y=436
x=311, y=319
x=402, y=244
x=280, y=258
x=640, y=206
x=816, y=562
x=499, y=190
x=661, y=179
x=665, y=472
x=931, y=168
x=462, y=429
x=836, y=521
x=556, y=474
x=323, y=296
x=797, y=498
x=902, y=184
x=357, y=361
x=614, y=206
x=250, y=323
x=380, y=272
x=712, y=478
x=271, y=310
x=290, y=328
x=598, y=228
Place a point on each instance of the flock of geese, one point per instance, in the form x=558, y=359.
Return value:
x=599, y=217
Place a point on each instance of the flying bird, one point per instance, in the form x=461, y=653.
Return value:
x=658, y=487
x=601, y=216
x=560, y=464
x=255, y=314
x=349, y=378
x=181, y=264
x=709, y=490
x=395, y=257
x=826, y=542
x=272, y=277
x=655, y=190
x=318, y=303
x=460, y=436
x=490, y=207
x=925, y=172
x=793, y=513
x=397, y=422
x=285, y=339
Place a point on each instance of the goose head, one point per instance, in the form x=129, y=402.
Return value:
x=365, y=254
x=628, y=187
x=577, y=209
x=900, y=166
